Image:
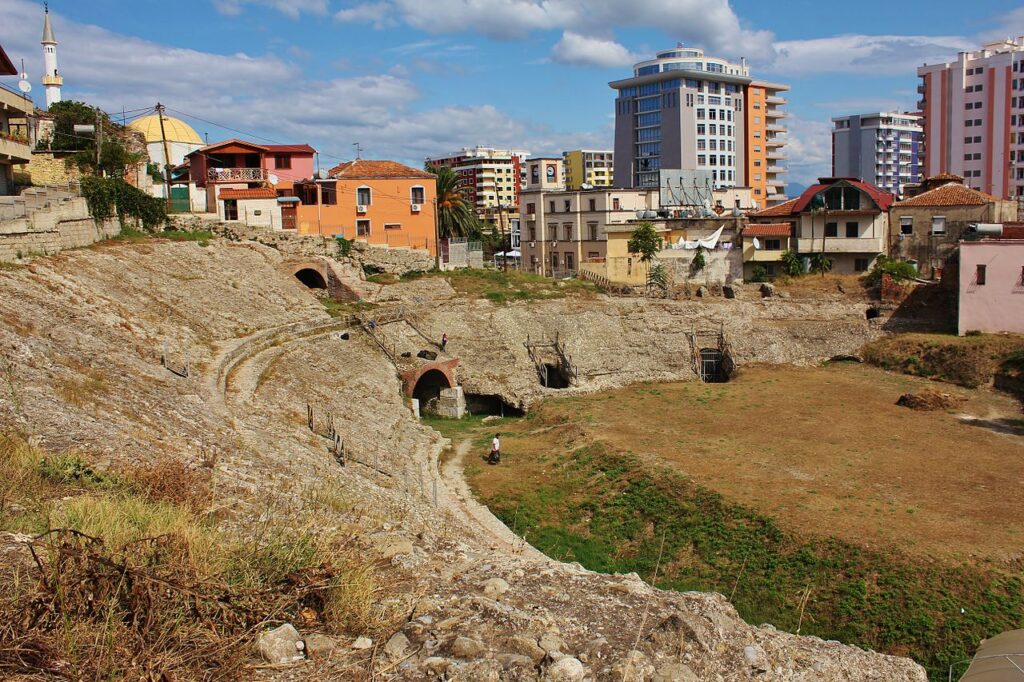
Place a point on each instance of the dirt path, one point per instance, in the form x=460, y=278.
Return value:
x=459, y=498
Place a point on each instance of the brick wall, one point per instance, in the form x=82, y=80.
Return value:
x=47, y=168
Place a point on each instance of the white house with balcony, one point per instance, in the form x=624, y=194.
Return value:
x=14, y=111
x=844, y=218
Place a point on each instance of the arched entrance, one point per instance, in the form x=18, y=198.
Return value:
x=713, y=369
x=311, y=278
x=428, y=387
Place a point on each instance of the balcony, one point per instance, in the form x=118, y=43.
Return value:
x=775, y=113
x=776, y=169
x=920, y=89
x=14, y=103
x=775, y=142
x=841, y=245
x=14, y=149
x=775, y=99
x=775, y=127
x=776, y=154
x=236, y=174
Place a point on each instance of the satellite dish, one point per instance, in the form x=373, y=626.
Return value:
x=24, y=85
x=650, y=214
x=757, y=244
x=640, y=214
x=273, y=179
x=586, y=185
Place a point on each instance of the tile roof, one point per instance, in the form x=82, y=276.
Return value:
x=785, y=208
x=1013, y=230
x=950, y=194
x=257, y=193
x=365, y=169
x=6, y=65
x=768, y=230
x=292, y=148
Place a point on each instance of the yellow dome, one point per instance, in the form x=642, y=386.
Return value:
x=176, y=130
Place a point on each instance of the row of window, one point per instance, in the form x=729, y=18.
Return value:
x=969, y=122
x=364, y=195
x=938, y=225
x=977, y=70
x=972, y=140
x=976, y=156
x=714, y=129
x=972, y=105
x=553, y=233
x=715, y=115
x=363, y=227
x=974, y=88
x=712, y=160
x=567, y=206
x=713, y=145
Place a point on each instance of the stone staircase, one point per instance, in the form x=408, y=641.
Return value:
x=34, y=199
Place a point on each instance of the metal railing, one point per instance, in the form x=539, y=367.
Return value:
x=236, y=174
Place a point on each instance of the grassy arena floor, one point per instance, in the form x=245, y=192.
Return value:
x=805, y=495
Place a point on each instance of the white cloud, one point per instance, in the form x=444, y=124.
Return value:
x=290, y=8
x=580, y=50
x=884, y=55
x=809, y=149
x=711, y=23
x=380, y=14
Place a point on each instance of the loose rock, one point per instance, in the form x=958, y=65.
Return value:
x=279, y=645
x=495, y=587
x=319, y=647
x=568, y=669
x=397, y=645
x=362, y=643
x=464, y=647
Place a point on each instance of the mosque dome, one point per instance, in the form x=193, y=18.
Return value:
x=175, y=129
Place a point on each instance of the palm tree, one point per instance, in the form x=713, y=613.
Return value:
x=455, y=216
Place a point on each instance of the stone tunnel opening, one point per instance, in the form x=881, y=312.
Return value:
x=715, y=366
x=311, y=278
x=491, y=406
x=428, y=389
x=552, y=376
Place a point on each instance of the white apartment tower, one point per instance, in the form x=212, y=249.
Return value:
x=882, y=148
x=51, y=77
x=973, y=117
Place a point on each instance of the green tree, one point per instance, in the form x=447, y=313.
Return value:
x=113, y=157
x=455, y=216
x=645, y=241
x=792, y=264
x=821, y=264
x=699, y=260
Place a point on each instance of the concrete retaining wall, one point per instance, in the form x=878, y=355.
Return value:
x=66, y=225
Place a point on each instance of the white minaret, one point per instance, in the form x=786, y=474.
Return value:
x=51, y=77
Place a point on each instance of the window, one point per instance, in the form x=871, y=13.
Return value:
x=554, y=261
x=392, y=226
x=533, y=231
x=329, y=192
x=906, y=225
x=417, y=196
x=363, y=228
x=938, y=224
x=282, y=161
x=852, y=230
x=569, y=262
x=831, y=229
x=593, y=254
x=592, y=230
x=531, y=208
x=979, y=275
x=772, y=244
x=593, y=204
x=567, y=228
x=551, y=207
x=615, y=203
x=757, y=163
x=566, y=204
x=363, y=197
x=702, y=129
x=860, y=264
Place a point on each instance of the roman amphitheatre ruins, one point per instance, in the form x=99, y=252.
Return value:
x=284, y=379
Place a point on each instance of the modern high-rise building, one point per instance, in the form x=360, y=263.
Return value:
x=881, y=148
x=973, y=117
x=684, y=110
x=490, y=178
x=766, y=137
x=588, y=167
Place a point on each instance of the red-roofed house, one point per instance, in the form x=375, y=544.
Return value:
x=382, y=203
x=763, y=245
x=237, y=164
x=927, y=226
x=844, y=218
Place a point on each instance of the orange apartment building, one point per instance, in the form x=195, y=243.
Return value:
x=382, y=203
x=764, y=142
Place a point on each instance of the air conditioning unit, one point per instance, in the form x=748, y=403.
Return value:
x=554, y=242
x=360, y=208
x=416, y=208
x=533, y=245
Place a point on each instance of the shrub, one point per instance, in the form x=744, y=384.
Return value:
x=792, y=264
x=110, y=197
x=899, y=270
x=821, y=264
x=699, y=260
x=344, y=247
x=759, y=274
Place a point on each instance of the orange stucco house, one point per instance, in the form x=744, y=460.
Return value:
x=383, y=203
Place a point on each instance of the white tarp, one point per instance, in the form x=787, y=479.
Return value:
x=708, y=243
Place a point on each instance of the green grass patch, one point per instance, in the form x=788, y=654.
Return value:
x=610, y=512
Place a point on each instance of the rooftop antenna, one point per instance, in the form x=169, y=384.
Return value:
x=359, y=150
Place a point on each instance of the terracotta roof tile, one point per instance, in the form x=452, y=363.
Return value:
x=950, y=194
x=785, y=208
x=292, y=148
x=768, y=230
x=257, y=193
x=365, y=169
x=1013, y=230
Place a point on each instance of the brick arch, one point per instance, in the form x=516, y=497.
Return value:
x=323, y=267
x=411, y=377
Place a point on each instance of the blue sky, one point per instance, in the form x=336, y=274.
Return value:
x=410, y=78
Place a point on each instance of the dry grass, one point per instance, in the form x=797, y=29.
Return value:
x=969, y=361
x=81, y=391
x=128, y=577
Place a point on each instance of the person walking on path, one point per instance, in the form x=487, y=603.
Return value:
x=444, y=342
x=495, y=455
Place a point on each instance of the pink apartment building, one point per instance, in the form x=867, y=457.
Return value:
x=991, y=285
x=240, y=165
x=973, y=118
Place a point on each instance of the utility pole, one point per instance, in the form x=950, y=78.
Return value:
x=501, y=221
x=167, y=154
x=99, y=141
